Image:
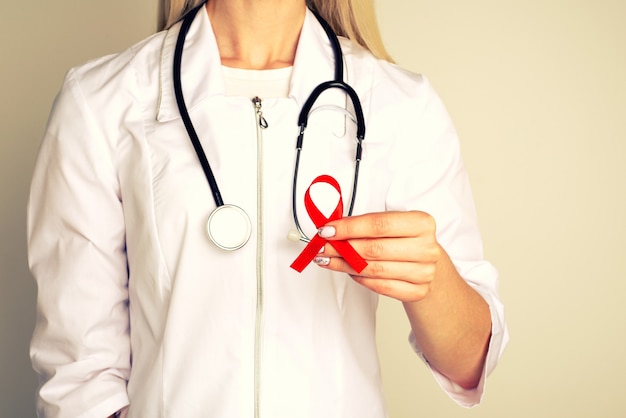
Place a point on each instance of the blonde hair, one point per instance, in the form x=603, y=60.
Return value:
x=171, y=11
x=354, y=19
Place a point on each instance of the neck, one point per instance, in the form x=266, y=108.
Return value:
x=257, y=34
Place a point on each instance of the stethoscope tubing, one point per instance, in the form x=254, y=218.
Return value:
x=336, y=83
x=184, y=113
x=334, y=44
x=355, y=182
x=333, y=84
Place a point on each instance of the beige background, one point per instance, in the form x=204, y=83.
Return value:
x=537, y=92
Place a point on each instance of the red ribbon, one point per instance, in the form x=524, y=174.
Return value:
x=312, y=249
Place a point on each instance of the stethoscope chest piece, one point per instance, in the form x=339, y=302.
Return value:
x=229, y=227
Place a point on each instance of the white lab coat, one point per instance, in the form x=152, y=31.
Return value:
x=126, y=274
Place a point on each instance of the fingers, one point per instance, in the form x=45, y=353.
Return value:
x=397, y=289
x=401, y=249
x=395, y=280
x=413, y=249
x=378, y=225
x=416, y=273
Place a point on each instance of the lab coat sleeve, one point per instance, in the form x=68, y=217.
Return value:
x=431, y=177
x=76, y=242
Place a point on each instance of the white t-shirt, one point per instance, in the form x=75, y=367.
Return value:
x=261, y=83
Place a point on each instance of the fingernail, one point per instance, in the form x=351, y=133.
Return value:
x=326, y=232
x=321, y=261
x=322, y=249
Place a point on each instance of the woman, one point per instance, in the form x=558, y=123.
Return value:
x=141, y=315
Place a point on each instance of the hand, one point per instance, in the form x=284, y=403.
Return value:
x=401, y=250
x=451, y=322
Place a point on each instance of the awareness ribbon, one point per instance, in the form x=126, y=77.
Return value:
x=343, y=247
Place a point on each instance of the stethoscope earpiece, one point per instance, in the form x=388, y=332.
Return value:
x=295, y=236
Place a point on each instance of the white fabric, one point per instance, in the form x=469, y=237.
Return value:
x=117, y=240
x=261, y=83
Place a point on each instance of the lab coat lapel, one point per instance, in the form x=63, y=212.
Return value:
x=201, y=71
x=314, y=61
x=314, y=64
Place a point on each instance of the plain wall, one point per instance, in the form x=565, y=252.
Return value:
x=536, y=89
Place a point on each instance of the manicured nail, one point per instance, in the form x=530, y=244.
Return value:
x=326, y=232
x=321, y=261
x=322, y=249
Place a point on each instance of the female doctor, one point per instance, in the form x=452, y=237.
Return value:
x=143, y=312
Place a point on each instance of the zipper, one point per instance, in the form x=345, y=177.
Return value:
x=261, y=124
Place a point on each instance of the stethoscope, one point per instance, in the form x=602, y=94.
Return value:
x=229, y=226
